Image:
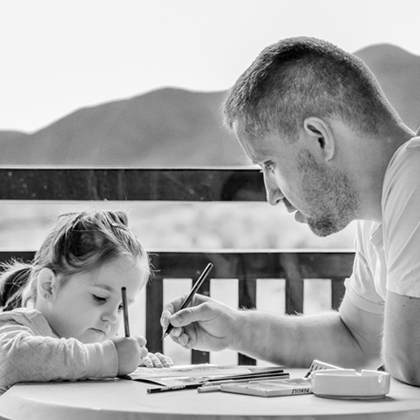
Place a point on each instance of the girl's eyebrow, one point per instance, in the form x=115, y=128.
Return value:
x=104, y=286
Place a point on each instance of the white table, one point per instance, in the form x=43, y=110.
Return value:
x=124, y=399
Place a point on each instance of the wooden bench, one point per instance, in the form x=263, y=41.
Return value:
x=184, y=185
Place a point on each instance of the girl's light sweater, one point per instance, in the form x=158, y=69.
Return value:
x=31, y=352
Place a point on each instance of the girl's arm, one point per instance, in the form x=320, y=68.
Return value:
x=27, y=357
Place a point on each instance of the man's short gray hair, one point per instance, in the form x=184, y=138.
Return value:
x=300, y=77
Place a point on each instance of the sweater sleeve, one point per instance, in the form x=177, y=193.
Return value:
x=26, y=357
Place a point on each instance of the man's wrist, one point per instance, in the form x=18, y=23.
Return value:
x=243, y=326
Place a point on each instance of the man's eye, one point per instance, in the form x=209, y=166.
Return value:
x=268, y=167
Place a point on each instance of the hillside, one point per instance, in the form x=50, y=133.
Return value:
x=166, y=127
x=179, y=128
x=398, y=73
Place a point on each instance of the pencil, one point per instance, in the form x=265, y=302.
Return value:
x=214, y=384
x=125, y=311
x=193, y=291
x=173, y=388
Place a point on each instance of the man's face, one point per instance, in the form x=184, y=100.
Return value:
x=320, y=195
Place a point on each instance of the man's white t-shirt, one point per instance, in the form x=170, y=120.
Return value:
x=388, y=254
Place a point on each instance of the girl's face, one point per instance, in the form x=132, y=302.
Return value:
x=88, y=306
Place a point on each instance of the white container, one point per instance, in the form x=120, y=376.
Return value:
x=349, y=384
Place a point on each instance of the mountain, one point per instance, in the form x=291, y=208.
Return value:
x=179, y=128
x=166, y=127
x=398, y=73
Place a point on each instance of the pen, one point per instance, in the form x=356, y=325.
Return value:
x=245, y=378
x=125, y=311
x=214, y=384
x=208, y=388
x=188, y=299
x=173, y=388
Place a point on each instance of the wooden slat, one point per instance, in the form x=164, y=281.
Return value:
x=131, y=184
x=337, y=291
x=246, y=266
x=24, y=256
x=247, y=299
x=154, y=307
x=240, y=264
x=261, y=264
x=294, y=283
x=198, y=356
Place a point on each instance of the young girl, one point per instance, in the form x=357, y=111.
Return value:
x=61, y=314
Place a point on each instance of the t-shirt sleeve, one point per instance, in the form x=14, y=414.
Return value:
x=360, y=286
x=401, y=222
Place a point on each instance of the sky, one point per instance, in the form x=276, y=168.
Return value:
x=58, y=56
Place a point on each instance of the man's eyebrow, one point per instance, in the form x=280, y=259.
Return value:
x=130, y=301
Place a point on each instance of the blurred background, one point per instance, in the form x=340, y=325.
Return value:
x=136, y=83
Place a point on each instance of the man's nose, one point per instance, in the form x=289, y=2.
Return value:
x=274, y=194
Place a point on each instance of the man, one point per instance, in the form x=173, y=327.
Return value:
x=333, y=150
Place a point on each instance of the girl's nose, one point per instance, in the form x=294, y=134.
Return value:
x=111, y=316
x=274, y=194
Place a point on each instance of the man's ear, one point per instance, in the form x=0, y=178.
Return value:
x=46, y=282
x=321, y=133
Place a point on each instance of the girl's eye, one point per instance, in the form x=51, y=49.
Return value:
x=120, y=307
x=99, y=299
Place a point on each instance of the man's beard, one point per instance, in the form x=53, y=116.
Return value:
x=323, y=227
x=333, y=192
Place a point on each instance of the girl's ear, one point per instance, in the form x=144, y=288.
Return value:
x=323, y=139
x=46, y=282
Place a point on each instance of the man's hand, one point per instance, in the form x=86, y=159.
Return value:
x=205, y=325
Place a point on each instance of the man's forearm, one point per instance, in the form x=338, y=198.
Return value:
x=297, y=340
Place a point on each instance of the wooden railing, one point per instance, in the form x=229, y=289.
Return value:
x=184, y=185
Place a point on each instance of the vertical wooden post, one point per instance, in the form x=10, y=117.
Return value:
x=294, y=283
x=337, y=291
x=198, y=356
x=247, y=299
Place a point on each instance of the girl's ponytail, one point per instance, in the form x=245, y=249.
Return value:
x=13, y=280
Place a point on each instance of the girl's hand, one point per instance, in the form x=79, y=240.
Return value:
x=156, y=360
x=131, y=352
